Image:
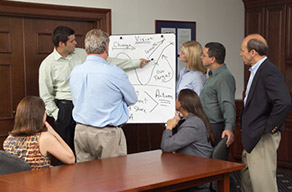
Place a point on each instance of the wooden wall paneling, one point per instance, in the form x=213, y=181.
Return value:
x=285, y=148
x=275, y=28
x=12, y=84
x=236, y=147
x=140, y=139
x=143, y=137
x=265, y=2
x=254, y=23
x=288, y=57
x=254, y=20
x=288, y=74
x=5, y=84
x=289, y=33
x=155, y=132
x=131, y=134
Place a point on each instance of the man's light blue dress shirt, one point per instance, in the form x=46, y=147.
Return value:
x=190, y=79
x=101, y=93
x=253, y=71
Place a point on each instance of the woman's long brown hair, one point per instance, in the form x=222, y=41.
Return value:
x=190, y=101
x=29, y=117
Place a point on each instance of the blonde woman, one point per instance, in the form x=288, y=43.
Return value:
x=193, y=75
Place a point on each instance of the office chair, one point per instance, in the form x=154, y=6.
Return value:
x=220, y=152
x=12, y=164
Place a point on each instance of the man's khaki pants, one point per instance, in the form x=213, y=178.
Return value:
x=261, y=165
x=98, y=143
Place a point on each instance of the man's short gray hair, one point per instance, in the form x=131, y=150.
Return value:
x=96, y=41
x=258, y=45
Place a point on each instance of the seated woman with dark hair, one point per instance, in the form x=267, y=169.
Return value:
x=194, y=135
x=33, y=139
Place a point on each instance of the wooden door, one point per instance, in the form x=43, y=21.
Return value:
x=12, y=84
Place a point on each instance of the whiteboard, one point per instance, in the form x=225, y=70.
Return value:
x=155, y=83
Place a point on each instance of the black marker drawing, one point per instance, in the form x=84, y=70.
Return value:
x=155, y=83
x=118, y=45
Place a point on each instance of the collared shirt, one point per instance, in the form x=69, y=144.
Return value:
x=190, y=79
x=253, y=71
x=54, y=75
x=218, y=97
x=101, y=93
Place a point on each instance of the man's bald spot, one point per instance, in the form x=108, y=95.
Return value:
x=256, y=42
x=257, y=37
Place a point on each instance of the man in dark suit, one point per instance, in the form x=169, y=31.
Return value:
x=266, y=106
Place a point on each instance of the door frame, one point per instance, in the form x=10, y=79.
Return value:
x=102, y=17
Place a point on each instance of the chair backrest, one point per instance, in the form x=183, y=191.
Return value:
x=11, y=164
x=220, y=150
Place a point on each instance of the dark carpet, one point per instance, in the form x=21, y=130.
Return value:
x=284, y=181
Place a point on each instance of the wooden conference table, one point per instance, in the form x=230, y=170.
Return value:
x=147, y=171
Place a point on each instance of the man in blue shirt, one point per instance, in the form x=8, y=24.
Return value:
x=101, y=94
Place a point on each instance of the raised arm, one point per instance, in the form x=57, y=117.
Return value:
x=127, y=64
x=51, y=142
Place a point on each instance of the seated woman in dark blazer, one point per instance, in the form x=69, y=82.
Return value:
x=194, y=135
x=33, y=139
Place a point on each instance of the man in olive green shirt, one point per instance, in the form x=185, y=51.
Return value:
x=218, y=94
x=54, y=75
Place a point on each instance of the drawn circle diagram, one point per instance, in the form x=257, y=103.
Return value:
x=154, y=83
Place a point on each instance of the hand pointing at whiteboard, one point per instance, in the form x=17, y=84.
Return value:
x=143, y=62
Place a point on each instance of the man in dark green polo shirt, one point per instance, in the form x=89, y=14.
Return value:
x=218, y=94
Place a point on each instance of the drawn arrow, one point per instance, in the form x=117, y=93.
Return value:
x=152, y=100
x=157, y=61
x=172, y=72
x=157, y=45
